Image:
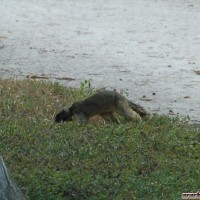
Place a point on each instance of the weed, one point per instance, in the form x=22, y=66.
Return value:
x=86, y=88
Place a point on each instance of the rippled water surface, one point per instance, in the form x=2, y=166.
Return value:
x=150, y=49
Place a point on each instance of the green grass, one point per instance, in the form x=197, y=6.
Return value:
x=154, y=159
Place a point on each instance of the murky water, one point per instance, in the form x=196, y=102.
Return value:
x=149, y=48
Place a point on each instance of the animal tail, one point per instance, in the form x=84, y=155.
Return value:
x=139, y=109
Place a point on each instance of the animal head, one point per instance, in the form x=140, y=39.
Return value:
x=63, y=115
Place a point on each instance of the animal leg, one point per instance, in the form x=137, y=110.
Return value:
x=125, y=111
x=109, y=117
x=80, y=118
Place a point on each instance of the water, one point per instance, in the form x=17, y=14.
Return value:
x=148, y=48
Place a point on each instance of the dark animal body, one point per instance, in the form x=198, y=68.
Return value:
x=105, y=104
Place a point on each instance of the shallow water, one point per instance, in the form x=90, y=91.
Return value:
x=149, y=49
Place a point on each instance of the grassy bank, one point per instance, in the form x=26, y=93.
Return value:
x=156, y=159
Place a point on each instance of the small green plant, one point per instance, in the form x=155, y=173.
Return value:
x=86, y=88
